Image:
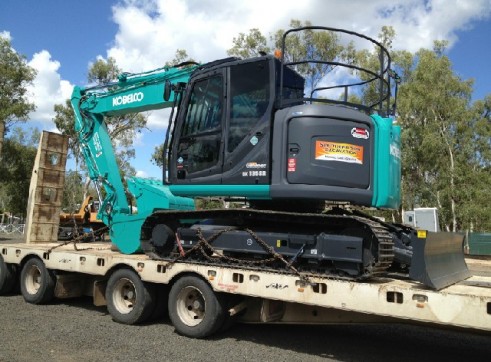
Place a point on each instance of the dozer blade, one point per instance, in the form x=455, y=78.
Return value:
x=438, y=259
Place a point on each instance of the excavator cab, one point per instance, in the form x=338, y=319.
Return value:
x=250, y=128
x=224, y=124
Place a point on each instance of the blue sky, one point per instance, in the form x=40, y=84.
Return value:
x=60, y=38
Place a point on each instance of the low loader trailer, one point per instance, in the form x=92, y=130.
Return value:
x=202, y=299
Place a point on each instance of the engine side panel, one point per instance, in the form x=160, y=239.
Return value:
x=323, y=152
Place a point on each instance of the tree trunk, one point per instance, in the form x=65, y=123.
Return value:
x=452, y=190
x=440, y=207
x=2, y=134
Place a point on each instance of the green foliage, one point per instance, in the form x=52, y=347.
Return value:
x=181, y=56
x=209, y=203
x=249, y=45
x=15, y=76
x=309, y=44
x=312, y=45
x=16, y=169
x=73, y=192
x=371, y=60
x=445, y=142
x=158, y=156
x=64, y=121
x=103, y=71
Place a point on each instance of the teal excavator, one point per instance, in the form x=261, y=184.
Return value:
x=256, y=130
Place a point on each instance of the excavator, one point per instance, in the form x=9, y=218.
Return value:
x=83, y=221
x=256, y=130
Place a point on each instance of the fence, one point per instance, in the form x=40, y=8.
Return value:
x=479, y=243
x=12, y=228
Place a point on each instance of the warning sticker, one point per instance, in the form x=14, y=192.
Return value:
x=341, y=152
x=292, y=165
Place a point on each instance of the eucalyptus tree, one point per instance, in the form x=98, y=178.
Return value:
x=16, y=169
x=122, y=129
x=15, y=76
x=443, y=149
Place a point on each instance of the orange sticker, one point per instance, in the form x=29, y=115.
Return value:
x=341, y=152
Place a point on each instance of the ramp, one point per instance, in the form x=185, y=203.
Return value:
x=46, y=189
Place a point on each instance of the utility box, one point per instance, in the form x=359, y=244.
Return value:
x=422, y=218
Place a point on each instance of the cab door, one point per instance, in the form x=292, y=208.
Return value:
x=197, y=156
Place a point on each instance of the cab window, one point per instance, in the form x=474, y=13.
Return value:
x=250, y=94
x=199, y=144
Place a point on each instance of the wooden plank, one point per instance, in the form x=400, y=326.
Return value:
x=46, y=189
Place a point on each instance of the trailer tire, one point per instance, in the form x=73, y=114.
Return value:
x=37, y=283
x=8, y=277
x=129, y=299
x=195, y=310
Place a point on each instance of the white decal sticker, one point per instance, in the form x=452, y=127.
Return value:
x=130, y=98
x=255, y=165
x=360, y=133
x=395, y=151
x=97, y=145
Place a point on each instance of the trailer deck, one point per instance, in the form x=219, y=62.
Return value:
x=286, y=298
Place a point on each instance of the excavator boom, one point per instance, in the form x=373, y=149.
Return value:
x=132, y=93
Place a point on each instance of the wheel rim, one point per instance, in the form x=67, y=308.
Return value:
x=191, y=306
x=124, y=296
x=33, y=279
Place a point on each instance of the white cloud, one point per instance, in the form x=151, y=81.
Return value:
x=54, y=130
x=149, y=35
x=151, y=31
x=137, y=139
x=48, y=88
x=6, y=35
x=158, y=119
x=141, y=174
x=338, y=76
x=418, y=23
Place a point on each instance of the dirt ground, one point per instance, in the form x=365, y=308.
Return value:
x=75, y=330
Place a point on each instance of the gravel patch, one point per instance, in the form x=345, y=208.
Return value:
x=75, y=330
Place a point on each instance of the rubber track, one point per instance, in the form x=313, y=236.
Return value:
x=381, y=234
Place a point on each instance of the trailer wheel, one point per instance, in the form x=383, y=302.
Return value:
x=195, y=310
x=37, y=283
x=129, y=299
x=8, y=277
